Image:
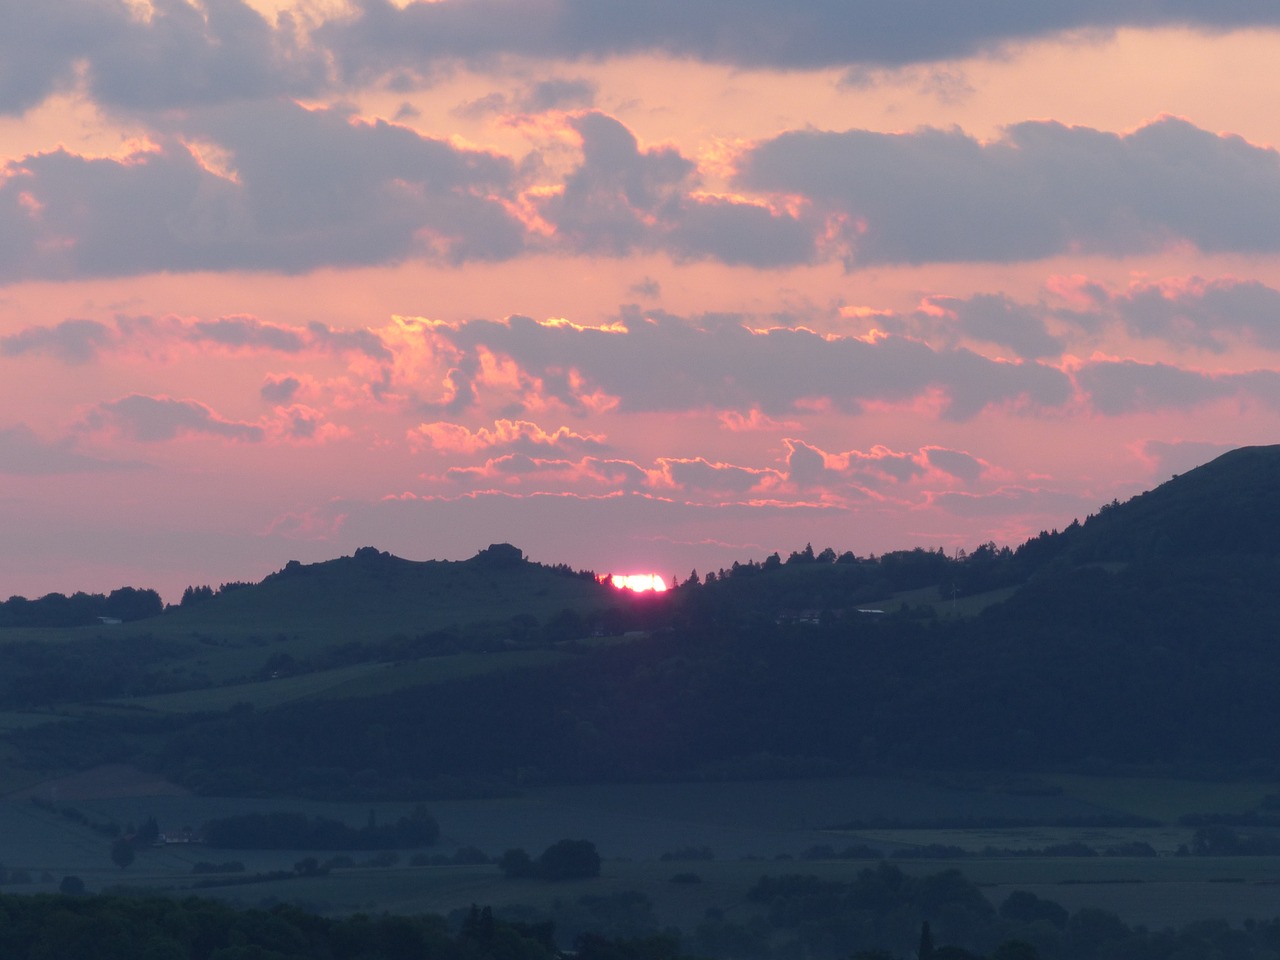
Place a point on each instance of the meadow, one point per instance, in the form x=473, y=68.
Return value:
x=751, y=829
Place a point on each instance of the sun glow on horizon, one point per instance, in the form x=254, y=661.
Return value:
x=639, y=582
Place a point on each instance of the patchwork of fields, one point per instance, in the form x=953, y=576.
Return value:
x=750, y=830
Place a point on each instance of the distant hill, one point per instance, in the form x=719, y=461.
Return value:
x=373, y=594
x=1142, y=638
x=1229, y=505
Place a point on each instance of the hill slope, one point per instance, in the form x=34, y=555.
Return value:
x=374, y=594
x=1229, y=505
x=1163, y=660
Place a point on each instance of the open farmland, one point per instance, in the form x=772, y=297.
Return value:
x=751, y=829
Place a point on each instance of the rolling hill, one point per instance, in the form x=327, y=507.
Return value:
x=1140, y=639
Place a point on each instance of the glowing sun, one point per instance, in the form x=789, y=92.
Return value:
x=639, y=582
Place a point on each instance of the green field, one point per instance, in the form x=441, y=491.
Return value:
x=358, y=680
x=754, y=829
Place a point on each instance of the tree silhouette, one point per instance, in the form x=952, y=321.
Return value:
x=122, y=853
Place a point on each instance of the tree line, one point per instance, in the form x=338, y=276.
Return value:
x=80, y=609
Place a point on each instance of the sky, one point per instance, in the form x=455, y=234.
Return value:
x=637, y=287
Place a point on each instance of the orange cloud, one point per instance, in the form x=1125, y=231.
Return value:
x=456, y=438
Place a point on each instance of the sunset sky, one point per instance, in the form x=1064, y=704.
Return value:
x=634, y=286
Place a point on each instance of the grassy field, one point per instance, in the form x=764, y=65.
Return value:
x=753, y=829
x=358, y=680
x=1164, y=799
x=943, y=606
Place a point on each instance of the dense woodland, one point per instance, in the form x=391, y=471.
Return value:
x=881, y=914
x=1143, y=638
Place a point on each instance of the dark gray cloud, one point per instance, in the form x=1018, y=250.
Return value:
x=245, y=331
x=646, y=287
x=744, y=33
x=558, y=93
x=189, y=52
x=961, y=465
x=878, y=469
x=609, y=199
x=289, y=190
x=1118, y=387
x=621, y=199
x=664, y=362
x=158, y=419
x=1043, y=189
x=80, y=341
x=994, y=318
x=702, y=475
x=211, y=51
x=806, y=465
x=541, y=96
x=208, y=51
x=738, y=233
x=280, y=389
x=42, y=42
x=1209, y=315
x=306, y=189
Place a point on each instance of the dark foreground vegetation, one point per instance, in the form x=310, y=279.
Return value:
x=158, y=928
x=882, y=914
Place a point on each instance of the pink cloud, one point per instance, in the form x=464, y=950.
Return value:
x=299, y=423
x=879, y=468
x=509, y=434
x=752, y=421
x=589, y=475
x=704, y=476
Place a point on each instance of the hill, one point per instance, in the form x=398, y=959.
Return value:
x=1142, y=638
x=373, y=594
x=1227, y=506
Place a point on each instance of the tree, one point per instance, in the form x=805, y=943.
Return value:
x=128, y=603
x=479, y=925
x=569, y=860
x=71, y=886
x=925, y=950
x=1022, y=906
x=517, y=863
x=122, y=853
x=148, y=832
x=194, y=595
x=804, y=556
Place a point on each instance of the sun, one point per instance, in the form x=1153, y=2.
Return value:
x=639, y=582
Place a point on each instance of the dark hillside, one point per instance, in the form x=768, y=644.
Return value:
x=1144, y=638
x=1229, y=505
x=373, y=592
